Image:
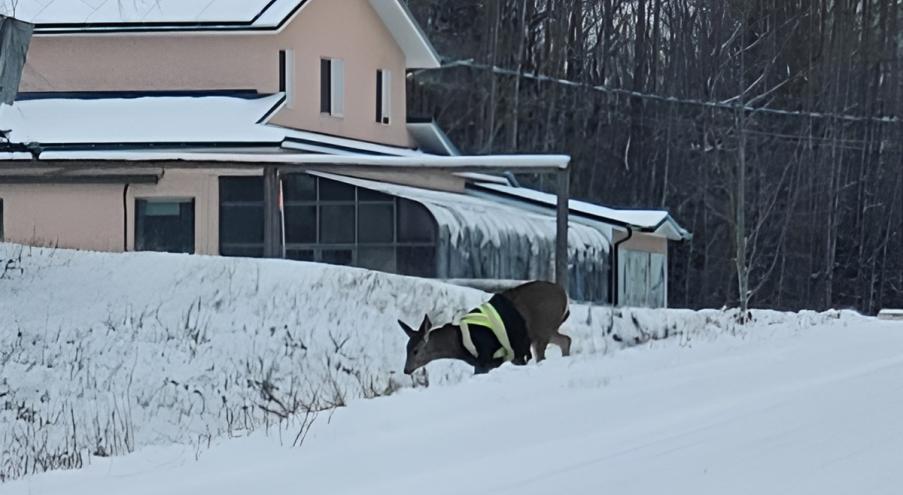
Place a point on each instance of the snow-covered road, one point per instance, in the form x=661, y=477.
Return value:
x=777, y=411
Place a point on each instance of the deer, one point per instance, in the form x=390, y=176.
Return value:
x=531, y=315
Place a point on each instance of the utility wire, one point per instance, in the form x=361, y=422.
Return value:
x=470, y=63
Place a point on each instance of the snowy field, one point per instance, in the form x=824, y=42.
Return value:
x=778, y=410
x=102, y=355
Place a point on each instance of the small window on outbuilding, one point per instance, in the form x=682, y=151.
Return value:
x=164, y=225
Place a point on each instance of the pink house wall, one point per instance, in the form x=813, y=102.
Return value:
x=346, y=29
x=83, y=216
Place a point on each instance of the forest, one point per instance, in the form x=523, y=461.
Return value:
x=768, y=128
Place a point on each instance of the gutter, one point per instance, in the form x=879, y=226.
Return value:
x=615, y=270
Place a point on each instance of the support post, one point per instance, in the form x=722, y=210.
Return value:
x=561, y=241
x=272, y=224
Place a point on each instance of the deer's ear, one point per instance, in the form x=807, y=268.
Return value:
x=407, y=330
x=427, y=325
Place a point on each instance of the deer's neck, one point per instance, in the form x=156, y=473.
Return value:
x=445, y=343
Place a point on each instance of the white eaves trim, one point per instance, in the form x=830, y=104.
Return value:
x=512, y=162
x=417, y=49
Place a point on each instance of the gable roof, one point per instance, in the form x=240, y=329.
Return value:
x=67, y=17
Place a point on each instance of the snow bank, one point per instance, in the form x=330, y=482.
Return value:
x=101, y=353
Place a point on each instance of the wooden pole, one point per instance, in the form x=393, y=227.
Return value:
x=561, y=241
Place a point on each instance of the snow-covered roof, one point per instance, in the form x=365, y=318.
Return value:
x=61, y=17
x=654, y=221
x=150, y=120
x=136, y=124
x=89, y=15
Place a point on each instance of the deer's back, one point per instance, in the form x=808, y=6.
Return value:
x=542, y=304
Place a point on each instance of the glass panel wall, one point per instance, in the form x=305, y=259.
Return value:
x=332, y=222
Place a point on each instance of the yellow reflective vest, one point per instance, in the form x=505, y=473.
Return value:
x=487, y=316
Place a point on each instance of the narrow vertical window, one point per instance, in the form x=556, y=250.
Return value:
x=379, y=96
x=332, y=87
x=383, y=96
x=325, y=85
x=287, y=76
x=1, y=220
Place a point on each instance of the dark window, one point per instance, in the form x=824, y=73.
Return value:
x=1, y=220
x=368, y=195
x=241, y=224
x=241, y=189
x=164, y=226
x=331, y=190
x=375, y=223
x=377, y=258
x=300, y=187
x=241, y=216
x=337, y=256
x=337, y=224
x=415, y=223
x=379, y=96
x=417, y=261
x=236, y=251
x=282, y=71
x=325, y=85
x=300, y=254
x=300, y=224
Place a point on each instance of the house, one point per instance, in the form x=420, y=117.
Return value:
x=279, y=128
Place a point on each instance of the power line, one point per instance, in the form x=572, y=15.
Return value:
x=470, y=63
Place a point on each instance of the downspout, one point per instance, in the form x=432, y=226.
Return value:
x=615, y=269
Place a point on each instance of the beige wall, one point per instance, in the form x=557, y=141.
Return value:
x=202, y=187
x=643, y=242
x=346, y=29
x=67, y=216
x=92, y=217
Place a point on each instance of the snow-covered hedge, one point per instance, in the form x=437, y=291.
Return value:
x=101, y=354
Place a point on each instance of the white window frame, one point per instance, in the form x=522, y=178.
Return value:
x=287, y=56
x=337, y=92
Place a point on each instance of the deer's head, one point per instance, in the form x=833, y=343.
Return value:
x=419, y=351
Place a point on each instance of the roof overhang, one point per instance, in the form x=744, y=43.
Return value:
x=417, y=48
x=296, y=161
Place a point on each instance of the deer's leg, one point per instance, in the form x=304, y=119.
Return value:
x=539, y=350
x=562, y=341
x=481, y=369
